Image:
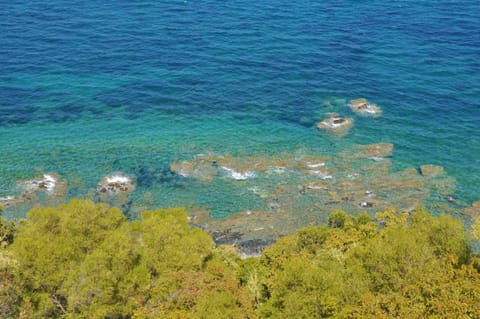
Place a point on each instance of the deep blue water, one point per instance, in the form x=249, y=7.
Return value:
x=88, y=88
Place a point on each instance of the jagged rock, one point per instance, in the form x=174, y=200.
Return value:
x=253, y=247
x=227, y=236
x=117, y=183
x=361, y=106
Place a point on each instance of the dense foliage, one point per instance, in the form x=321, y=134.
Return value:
x=85, y=260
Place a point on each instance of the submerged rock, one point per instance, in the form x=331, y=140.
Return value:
x=199, y=168
x=430, y=170
x=375, y=152
x=7, y=201
x=292, y=190
x=336, y=125
x=473, y=211
x=361, y=106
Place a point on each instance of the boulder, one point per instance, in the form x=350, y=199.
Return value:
x=361, y=106
x=336, y=125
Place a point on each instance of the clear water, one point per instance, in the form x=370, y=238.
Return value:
x=87, y=89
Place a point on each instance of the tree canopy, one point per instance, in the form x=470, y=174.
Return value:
x=85, y=260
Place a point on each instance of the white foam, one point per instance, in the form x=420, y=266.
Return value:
x=119, y=179
x=315, y=187
x=315, y=165
x=183, y=173
x=366, y=108
x=47, y=182
x=239, y=175
x=116, y=183
x=321, y=174
x=50, y=182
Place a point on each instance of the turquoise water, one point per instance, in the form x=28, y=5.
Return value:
x=90, y=89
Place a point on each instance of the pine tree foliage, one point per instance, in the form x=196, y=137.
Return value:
x=85, y=260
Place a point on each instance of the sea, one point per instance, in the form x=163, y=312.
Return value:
x=89, y=89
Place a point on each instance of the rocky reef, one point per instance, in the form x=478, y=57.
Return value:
x=295, y=190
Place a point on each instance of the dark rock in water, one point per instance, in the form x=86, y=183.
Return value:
x=349, y=198
x=222, y=237
x=366, y=204
x=253, y=247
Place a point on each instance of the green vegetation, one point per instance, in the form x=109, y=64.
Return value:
x=85, y=260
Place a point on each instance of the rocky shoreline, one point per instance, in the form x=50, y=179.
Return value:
x=292, y=191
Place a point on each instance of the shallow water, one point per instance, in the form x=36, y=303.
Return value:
x=87, y=90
